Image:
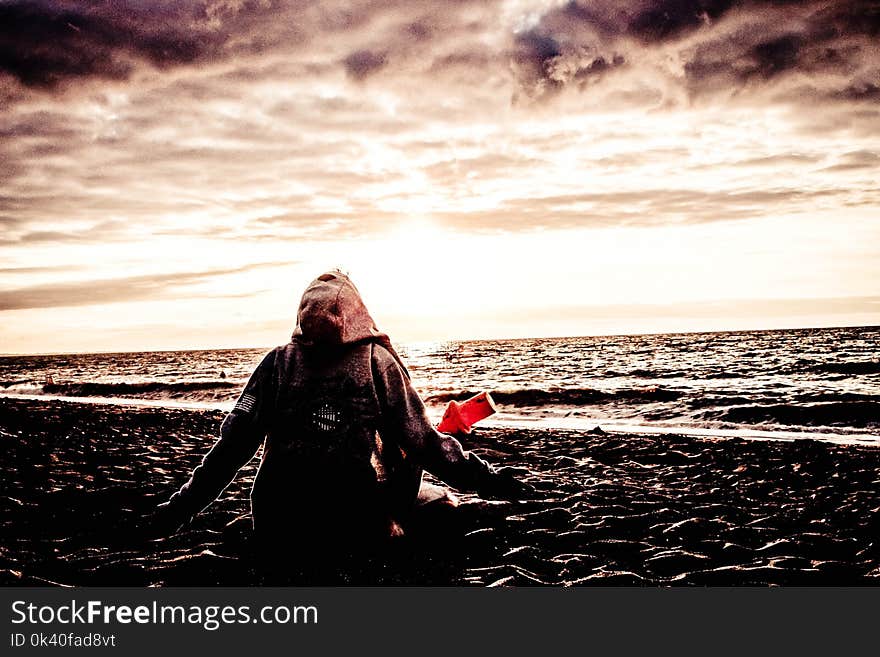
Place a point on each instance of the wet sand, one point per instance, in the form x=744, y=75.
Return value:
x=614, y=510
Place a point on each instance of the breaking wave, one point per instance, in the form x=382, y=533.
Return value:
x=841, y=413
x=563, y=396
x=856, y=367
x=185, y=390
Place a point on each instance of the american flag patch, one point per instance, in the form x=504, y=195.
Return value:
x=246, y=403
x=326, y=418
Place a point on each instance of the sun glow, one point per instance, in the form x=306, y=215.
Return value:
x=414, y=259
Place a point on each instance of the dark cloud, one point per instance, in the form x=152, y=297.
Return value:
x=829, y=43
x=666, y=19
x=42, y=124
x=364, y=63
x=735, y=61
x=648, y=21
x=469, y=62
x=860, y=91
x=533, y=55
x=776, y=55
x=46, y=43
x=723, y=44
x=856, y=160
x=113, y=290
x=544, y=64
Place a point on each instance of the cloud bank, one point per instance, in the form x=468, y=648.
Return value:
x=139, y=130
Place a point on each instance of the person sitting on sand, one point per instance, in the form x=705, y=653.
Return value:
x=346, y=434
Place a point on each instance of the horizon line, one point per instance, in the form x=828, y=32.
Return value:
x=463, y=340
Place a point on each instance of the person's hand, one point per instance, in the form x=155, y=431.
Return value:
x=505, y=485
x=165, y=520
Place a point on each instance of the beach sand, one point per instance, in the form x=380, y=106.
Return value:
x=614, y=510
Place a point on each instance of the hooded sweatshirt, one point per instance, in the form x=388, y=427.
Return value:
x=346, y=435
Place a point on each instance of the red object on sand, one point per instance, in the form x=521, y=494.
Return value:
x=459, y=418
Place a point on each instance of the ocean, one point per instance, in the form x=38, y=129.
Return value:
x=789, y=384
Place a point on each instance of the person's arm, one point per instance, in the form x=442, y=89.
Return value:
x=404, y=420
x=241, y=435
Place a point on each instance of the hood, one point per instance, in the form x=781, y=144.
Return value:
x=332, y=314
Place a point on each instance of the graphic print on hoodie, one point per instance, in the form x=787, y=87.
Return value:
x=345, y=434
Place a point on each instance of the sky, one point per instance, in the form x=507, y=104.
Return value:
x=174, y=173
